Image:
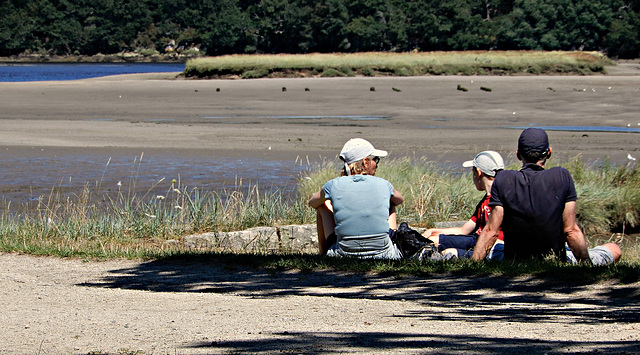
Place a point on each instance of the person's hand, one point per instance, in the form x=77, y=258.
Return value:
x=431, y=233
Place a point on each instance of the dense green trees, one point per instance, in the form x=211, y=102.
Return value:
x=300, y=26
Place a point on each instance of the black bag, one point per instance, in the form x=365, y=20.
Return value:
x=410, y=242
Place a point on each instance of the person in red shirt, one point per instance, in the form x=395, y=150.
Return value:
x=459, y=241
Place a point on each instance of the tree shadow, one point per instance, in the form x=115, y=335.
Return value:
x=499, y=299
x=312, y=343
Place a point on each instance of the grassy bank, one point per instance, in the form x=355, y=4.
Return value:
x=396, y=64
x=106, y=225
x=93, y=223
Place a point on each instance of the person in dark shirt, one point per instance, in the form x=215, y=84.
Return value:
x=536, y=209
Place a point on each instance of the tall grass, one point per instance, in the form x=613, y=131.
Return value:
x=95, y=223
x=609, y=196
x=397, y=64
x=431, y=193
x=608, y=206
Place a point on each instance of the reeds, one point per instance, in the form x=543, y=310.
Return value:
x=396, y=64
x=122, y=223
x=608, y=205
x=97, y=224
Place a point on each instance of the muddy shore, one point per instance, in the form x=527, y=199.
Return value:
x=186, y=126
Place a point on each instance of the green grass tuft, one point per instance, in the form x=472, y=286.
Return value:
x=255, y=74
x=332, y=73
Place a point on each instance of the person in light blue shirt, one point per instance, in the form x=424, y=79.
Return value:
x=356, y=211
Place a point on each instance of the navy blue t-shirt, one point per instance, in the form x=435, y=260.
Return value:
x=533, y=200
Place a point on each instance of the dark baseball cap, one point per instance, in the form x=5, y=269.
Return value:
x=533, y=140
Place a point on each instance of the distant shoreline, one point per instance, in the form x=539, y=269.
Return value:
x=126, y=57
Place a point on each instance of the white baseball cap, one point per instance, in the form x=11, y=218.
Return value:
x=357, y=149
x=489, y=162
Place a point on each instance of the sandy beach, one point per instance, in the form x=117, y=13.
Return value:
x=51, y=305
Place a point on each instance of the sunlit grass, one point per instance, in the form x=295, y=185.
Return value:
x=93, y=223
x=397, y=64
x=608, y=205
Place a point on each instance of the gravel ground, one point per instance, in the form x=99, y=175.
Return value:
x=60, y=306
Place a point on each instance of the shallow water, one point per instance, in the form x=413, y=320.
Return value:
x=19, y=72
x=585, y=128
x=347, y=117
x=29, y=178
x=629, y=129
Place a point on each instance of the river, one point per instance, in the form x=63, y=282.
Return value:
x=20, y=72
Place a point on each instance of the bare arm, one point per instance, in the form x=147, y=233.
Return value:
x=317, y=199
x=397, y=198
x=467, y=228
x=489, y=234
x=574, y=235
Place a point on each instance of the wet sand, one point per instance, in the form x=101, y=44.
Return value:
x=276, y=123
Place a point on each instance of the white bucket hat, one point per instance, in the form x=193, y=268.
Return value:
x=357, y=149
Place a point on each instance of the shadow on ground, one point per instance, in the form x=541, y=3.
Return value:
x=308, y=343
x=522, y=299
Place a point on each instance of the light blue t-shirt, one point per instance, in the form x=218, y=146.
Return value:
x=361, y=212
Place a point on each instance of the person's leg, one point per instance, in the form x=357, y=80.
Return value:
x=325, y=225
x=446, y=241
x=497, y=251
x=453, y=251
x=615, y=251
x=606, y=254
x=435, y=239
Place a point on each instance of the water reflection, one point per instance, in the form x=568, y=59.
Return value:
x=29, y=178
x=551, y=128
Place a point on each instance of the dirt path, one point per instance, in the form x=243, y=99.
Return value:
x=57, y=306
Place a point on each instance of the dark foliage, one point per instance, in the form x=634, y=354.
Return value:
x=87, y=27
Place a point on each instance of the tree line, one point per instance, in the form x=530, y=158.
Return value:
x=216, y=27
